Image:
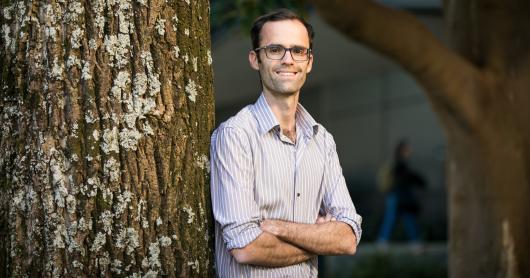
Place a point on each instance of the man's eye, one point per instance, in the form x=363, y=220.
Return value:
x=299, y=50
x=275, y=49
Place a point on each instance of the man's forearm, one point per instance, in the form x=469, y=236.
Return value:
x=268, y=250
x=330, y=238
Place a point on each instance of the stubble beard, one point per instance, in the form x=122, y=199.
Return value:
x=284, y=88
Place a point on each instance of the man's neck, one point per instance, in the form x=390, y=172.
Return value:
x=284, y=108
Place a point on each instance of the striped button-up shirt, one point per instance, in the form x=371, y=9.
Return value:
x=258, y=173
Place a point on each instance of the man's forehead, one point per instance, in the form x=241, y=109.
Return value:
x=285, y=32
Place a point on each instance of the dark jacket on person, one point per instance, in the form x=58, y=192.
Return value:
x=405, y=182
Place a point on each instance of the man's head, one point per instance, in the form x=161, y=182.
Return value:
x=281, y=51
x=278, y=15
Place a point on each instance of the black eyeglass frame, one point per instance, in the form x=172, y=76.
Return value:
x=285, y=49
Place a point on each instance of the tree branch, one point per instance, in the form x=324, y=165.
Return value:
x=451, y=81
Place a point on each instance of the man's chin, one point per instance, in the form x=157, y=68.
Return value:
x=286, y=93
x=289, y=90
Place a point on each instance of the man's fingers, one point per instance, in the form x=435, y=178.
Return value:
x=323, y=219
x=330, y=217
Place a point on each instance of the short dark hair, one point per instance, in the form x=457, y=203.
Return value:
x=278, y=15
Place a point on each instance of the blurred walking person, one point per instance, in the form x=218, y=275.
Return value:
x=401, y=200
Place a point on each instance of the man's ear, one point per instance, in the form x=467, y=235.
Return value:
x=310, y=63
x=253, y=59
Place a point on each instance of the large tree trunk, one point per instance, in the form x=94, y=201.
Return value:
x=480, y=91
x=106, y=110
x=490, y=161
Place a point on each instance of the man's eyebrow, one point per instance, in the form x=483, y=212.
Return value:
x=294, y=46
x=299, y=46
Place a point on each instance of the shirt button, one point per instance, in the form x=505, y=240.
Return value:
x=297, y=194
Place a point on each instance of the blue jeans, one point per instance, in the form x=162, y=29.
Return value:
x=389, y=220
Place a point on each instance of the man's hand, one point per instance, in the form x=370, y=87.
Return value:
x=274, y=226
x=324, y=219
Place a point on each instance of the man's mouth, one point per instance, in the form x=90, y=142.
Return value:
x=286, y=73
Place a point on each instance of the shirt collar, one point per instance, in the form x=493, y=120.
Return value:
x=267, y=120
x=306, y=122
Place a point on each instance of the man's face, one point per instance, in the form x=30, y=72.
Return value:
x=285, y=76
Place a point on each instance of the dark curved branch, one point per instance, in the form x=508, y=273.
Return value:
x=450, y=80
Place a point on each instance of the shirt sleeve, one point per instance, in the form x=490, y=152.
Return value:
x=232, y=187
x=337, y=200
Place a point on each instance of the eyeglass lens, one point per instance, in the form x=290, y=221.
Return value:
x=277, y=52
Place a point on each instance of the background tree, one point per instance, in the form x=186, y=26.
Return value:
x=106, y=111
x=479, y=87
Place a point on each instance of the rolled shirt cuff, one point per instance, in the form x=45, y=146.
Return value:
x=355, y=224
x=241, y=235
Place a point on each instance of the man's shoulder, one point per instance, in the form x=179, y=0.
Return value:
x=243, y=121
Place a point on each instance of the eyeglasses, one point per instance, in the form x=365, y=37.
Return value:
x=277, y=52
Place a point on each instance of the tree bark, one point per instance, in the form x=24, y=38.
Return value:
x=479, y=89
x=106, y=112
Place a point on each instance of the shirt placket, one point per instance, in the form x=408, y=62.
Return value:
x=291, y=147
x=299, y=205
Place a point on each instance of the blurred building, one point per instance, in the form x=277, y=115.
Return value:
x=366, y=101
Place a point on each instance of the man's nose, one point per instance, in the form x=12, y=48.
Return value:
x=287, y=57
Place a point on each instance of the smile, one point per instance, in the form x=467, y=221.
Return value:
x=286, y=73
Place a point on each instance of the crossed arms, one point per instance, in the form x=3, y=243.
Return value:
x=285, y=243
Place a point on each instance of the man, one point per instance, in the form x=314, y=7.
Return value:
x=279, y=197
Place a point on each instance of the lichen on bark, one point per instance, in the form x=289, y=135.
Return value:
x=99, y=144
